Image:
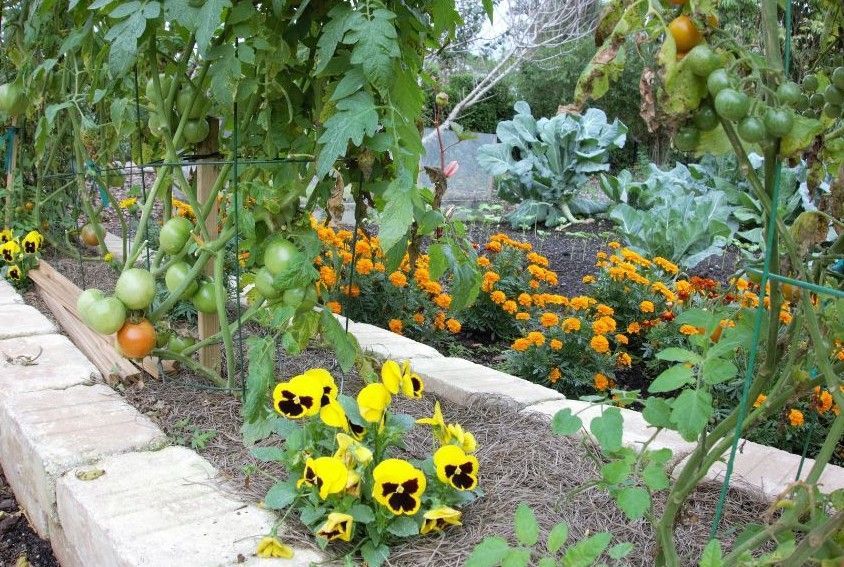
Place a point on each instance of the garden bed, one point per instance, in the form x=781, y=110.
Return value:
x=19, y=544
x=520, y=460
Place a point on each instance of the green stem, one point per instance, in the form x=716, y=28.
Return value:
x=220, y=286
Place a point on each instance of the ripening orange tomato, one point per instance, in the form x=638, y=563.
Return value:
x=685, y=33
x=136, y=340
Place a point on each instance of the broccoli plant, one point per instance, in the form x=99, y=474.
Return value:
x=541, y=164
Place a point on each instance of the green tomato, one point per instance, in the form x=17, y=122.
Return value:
x=205, y=299
x=838, y=78
x=280, y=254
x=264, y=284
x=686, y=138
x=817, y=101
x=174, y=235
x=12, y=100
x=135, y=288
x=731, y=104
x=832, y=110
x=810, y=83
x=702, y=60
x=84, y=302
x=788, y=92
x=833, y=95
x=195, y=131
x=752, y=130
x=107, y=315
x=303, y=299
x=156, y=125
x=178, y=343
x=176, y=275
x=705, y=118
x=778, y=122
x=165, y=81
x=184, y=99
x=802, y=103
x=717, y=81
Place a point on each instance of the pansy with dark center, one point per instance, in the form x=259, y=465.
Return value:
x=15, y=272
x=398, y=486
x=300, y=397
x=337, y=526
x=328, y=474
x=456, y=468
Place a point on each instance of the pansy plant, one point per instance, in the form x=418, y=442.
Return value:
x=18, y=255
x=348, y=478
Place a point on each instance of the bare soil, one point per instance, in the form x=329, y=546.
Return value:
x=19, y=544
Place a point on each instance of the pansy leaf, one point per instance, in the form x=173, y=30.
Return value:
x=711, y=556
x=585, y=552
x=489, y=553
x=519, y=557
x=607, y=429
x=362, y=513
x=281, y=495
x=374, y=555
x=267, y=454
x=283, y=427
x=672, y=378
x=634, y=501
x=255, y=431
x=311, y=515
x=565, y=423
x=403, y=526
x=557, y=537
x=527, y=528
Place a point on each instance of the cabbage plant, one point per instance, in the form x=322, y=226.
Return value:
x=541, y=164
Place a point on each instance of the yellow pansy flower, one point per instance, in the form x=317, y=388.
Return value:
x=337, y=526
x=398, y=486
x=329, y=474
x=436, y=519
x=373, y=401
x=456, y=468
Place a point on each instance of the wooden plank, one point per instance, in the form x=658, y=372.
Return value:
x=206, y=175
x=111, y=365
x=59, y=291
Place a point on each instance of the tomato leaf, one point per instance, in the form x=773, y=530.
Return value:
x=527, y=528
x=672, y=378
x=489, y=553
x=345, y=344
x=261, y=355
x=607, y=429
x=375, y=43
x=690, y=412
x=585, y=552
x=356, y=117
x=565, y=423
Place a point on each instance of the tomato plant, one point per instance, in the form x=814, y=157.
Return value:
x=174, y=235
x=135, y=288
x=204, y=299
x=90, y=233
x=280, y=255
x=176, y=275
x=105, y=315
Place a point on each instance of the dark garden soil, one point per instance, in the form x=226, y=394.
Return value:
x=520, y=459
x=19, y=544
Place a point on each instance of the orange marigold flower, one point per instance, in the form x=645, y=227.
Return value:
x=334, y=306
x=525, y=299
x=498, y=297
x=554, y=375
x=453, y=326
x=493, y=246
x=571, y=324
x=510, y=306
x=327, y=276
x=601, y=255
x=795, y=418
x=396, y=326
x=522, y=316
x=646, y=306
x=520, y=345
x=742, y=284
x=634, y=328
x=534, y=284
x=362, y=248
x=536, y=338
x=588, y=279
x=483, y=261
x=601, y=382
x=443, y=301
x=555, y=344
x=666, y=266
x=600, y=344
x=785, y=317
x=821, y=400
x=621, y=339
x=581, y=302
x=346, y=257
x=364, y=266
x=760, y=399
x=418, y=318
x=549, y=319
x=623, y=360
x=379, y=267
x=605, y=310
x=689, y=330
x=355, y=290
x=398, y=279
x=537, y=259
x=614, y=245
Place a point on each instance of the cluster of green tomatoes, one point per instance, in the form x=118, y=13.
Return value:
x=280, y=255
x=164, y=118
x=756, y=122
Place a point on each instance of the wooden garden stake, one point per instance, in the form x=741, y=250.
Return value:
x=206, y=175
